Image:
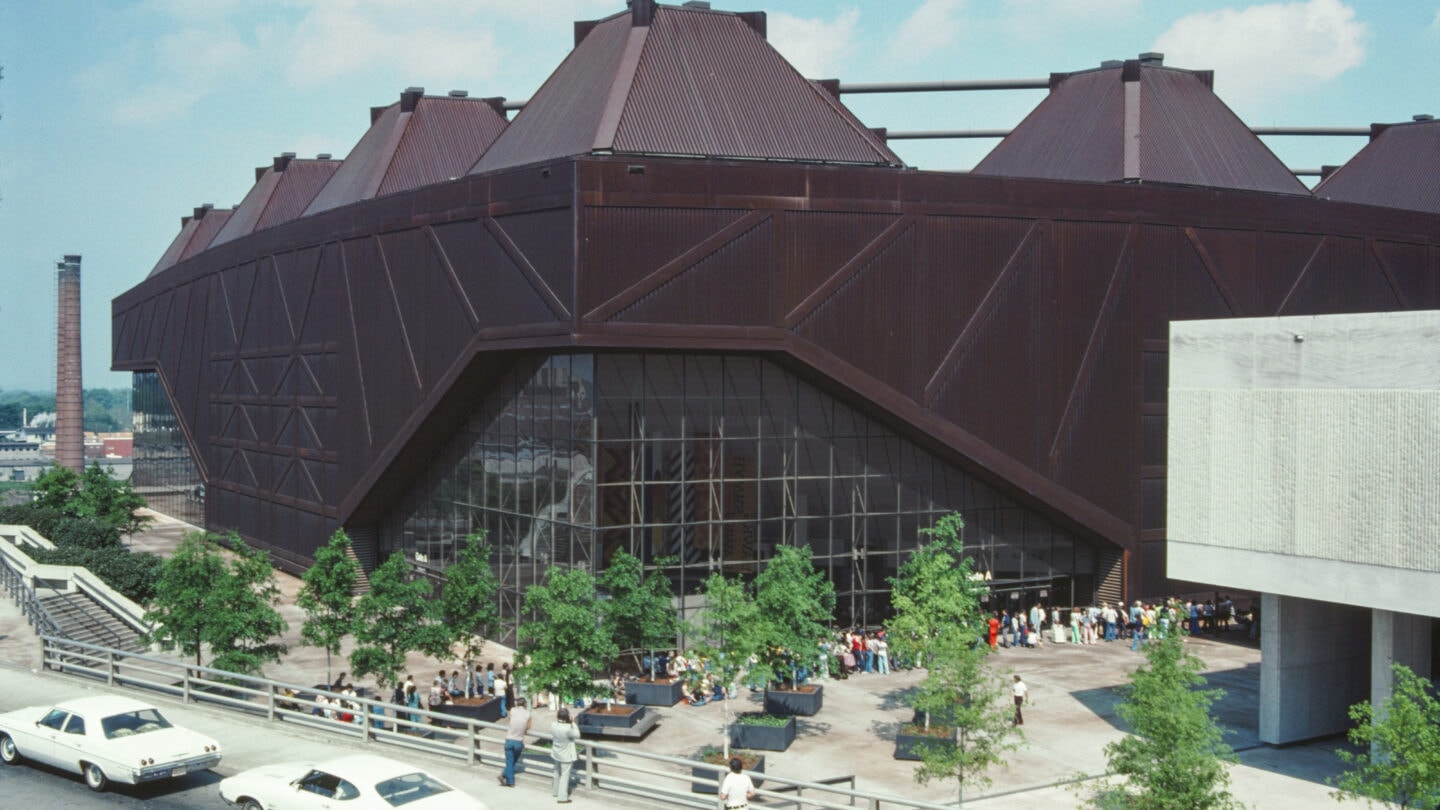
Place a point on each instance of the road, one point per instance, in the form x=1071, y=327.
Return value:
x=36, y=786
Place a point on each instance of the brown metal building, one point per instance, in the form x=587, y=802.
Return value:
x=686, y=304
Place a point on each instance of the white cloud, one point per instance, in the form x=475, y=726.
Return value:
x=1268, y=50
x=935, y=25
x=818, y=48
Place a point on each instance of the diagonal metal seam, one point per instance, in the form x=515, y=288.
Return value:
x=269, y=258
x=450, y=273
x=309, y=295
x=304, y=469
x=1208, y=263
x=946, y=369
x=1098, y=330
x=849, y=270
x=620, y=88
x=678, y=265
x=1385, y=269
x=399, y=313
x=355, y=343
x=1303, y=274
x=186, y=429
x=527, y=269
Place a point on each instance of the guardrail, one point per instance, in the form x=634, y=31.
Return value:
x=615, y=767
x=14, y=539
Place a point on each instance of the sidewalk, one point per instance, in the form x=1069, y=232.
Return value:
x=1069, y=721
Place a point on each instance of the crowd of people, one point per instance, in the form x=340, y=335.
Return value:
x=1106, y=623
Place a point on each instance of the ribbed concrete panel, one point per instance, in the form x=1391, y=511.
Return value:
x=1397, y=169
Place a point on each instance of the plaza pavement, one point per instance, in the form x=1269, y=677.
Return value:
x=1070, y=719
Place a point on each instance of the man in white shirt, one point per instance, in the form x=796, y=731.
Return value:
x=737, y=790
x=1022, y=696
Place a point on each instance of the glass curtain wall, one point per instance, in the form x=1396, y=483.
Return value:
x=165, y=474
x=702, y=463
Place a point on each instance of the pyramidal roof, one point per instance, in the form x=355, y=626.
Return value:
x=280, y=194
x=682, y=81
x=1139, y=121
x=415, y=142
x=196, y=234
x=1399, y=168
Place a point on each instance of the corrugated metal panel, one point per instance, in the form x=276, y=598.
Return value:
x=1076, y=133
x=299, y=184
x=359, y=176
x=561, y=119
x=708, y=84
x=248, y=212
x=1398, y=169
x=171, y=256
x=208, y=225
x=1188, y=136
x=443, y=140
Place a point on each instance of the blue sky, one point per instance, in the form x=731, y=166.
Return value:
x=117, y=118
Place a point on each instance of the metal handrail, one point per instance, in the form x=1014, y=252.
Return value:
x=626, y=770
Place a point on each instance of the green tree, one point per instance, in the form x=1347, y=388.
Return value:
x=1399, y=759
x=1175, y=755
x=468, y=599
x=56, y=489
x=396, y=617
x=201, y=600
x=640, y=612
x=935, y=593
x=110, y=500
x=728, y=635
x=565, y=642
x=796, y=605
x=328, y=597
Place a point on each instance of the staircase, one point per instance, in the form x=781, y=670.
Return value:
x=362, y=580
x=83, y=619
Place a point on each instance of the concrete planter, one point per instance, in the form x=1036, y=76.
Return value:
x=804, y=700
x=485, y=709
x=625, y=720
x=908, y=745
x=665, y=692
x=763, y=738
x=707, y=781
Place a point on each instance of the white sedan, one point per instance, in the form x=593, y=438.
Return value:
x=106, y=739
x=358, y=782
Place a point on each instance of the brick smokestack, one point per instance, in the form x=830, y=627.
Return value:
x=69, y=389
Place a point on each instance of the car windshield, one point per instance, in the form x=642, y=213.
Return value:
x=411, y=787
x=136, y=722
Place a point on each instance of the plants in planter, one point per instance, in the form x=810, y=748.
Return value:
x=707, y=780
x=469, y=604
x=728, y=636
x=564, y=641
x=796, y=605
x=766, y=732
x=803, y=699
x=639, y=613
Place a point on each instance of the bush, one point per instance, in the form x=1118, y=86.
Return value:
x=772, y=720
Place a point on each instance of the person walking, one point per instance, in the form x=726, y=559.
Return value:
x=1022, y=696
x=737, y=790
x=562, y=750
x=515, y=742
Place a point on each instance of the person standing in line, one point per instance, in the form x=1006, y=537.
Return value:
x=994, y=631
x=514, y=742
x=882, y=653
x=1022, y=696
x=737, y=790
x=502, y=691
x=563, y=751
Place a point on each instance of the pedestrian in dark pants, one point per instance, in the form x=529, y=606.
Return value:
x=515, y=742
x=1022, y=696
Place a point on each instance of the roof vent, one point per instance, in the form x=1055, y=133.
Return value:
x=642, y=12
x=1422, y=117
x=284, y=160
x=410, y=98
x=459, y=93
x=1152, y=59
x=1113, y=63
x=703, y=5
x=203, y=210
x=375, y=113
x=323, y=156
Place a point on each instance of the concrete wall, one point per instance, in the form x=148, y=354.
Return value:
x=1316, y=665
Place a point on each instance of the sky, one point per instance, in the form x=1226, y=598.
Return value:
x=118, y=117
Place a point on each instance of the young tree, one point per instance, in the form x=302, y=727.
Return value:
x=1175, y=756
x=242, y=637
x=204, y=600
x=937, y=624
x=796, y=604
x=1399, y=758
x=640, y=612
x=397, y=617
x=111, y=501
x=328, y=597
x=468, y=604
x=565, y=642
x=56, y=488
x=728, y=635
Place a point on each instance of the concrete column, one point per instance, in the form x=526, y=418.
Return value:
x=1396, y=638
x=1314, y=665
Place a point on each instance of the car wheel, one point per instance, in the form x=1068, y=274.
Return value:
x=250, y=804
x=8, y=752
x=95, y=778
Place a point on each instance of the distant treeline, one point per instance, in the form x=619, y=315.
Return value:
x=107, y=410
